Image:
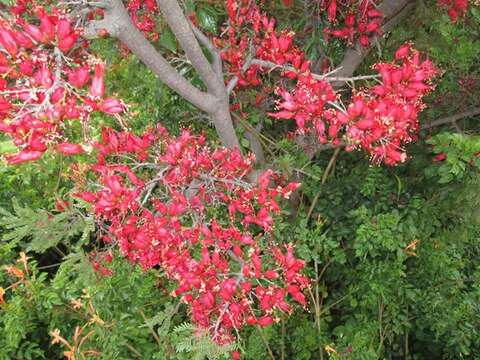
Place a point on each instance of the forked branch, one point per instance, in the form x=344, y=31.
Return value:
x=215, y=101
x=180, y=26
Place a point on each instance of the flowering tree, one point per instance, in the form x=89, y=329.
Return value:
x=205, y=215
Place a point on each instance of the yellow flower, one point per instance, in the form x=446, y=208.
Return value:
x=12, y=270
x=77, y=304
x=330, y=350
x=2, y=292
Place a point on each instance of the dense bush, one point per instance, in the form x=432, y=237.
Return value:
x=391, y=253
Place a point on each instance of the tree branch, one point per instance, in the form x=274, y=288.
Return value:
x=215, y=53
x=180, y=26
x=325, y=77
x=451, y=119
x=118, y=24
x=252, y=135
x=220, y=115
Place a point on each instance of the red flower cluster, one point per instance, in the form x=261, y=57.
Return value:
x=143, y=14
x=306, y=104
x=47, y=78
x=362, y=20
x=379, y=120
x=100, y=262
x=265, y=44
x=189, y=210
x=382, y=119
x=456, y=8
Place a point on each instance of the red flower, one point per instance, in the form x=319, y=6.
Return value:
x=66, y=43
x=8, y=42
x=455, y=8
x=440, y=157
x=78, y=77
x=46, y=26
x=265, y=321
x=34, y=32
x=70, y=149
x=111, y=106
x=97, y=88
x=168, y=237
x=24, y=156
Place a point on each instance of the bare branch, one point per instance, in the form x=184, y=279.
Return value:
x=452, y=119
x=180, y=26
x=326, y=77
x=220, y=114
x=215, y=102
x=271, y=65
x=205, y=41
x=118, y=24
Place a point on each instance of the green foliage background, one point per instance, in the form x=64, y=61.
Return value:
x=394, y=252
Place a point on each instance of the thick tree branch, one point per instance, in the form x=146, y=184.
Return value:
x=118, y=24
x=214, y=52
x=182, y=29
x=393, y=11
x=215, y=102
x=325, y=77
x=452, y=119
x=180, y=26
x=222, y=119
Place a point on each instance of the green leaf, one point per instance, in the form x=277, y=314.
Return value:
x=245, y=142
x=167, y=40
x=207, y=19
x=190, y=6
x=7, y=146
x=38, y=230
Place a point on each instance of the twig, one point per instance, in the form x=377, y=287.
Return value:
x=59, y=252
x=265, y=341
x=234, y=81
x=333, y=304
x=452, y=119
x=133, y=350
x=324, y=179
x=49, y=266
x=405, y=354
x=325, y=77
x=318, y=276
x=381, y=330
x=155, y=335
x=318, y=312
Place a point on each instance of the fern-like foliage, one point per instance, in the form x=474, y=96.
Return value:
x=38, y=230
x=200, y=345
